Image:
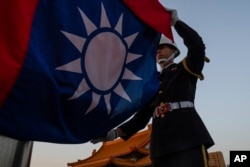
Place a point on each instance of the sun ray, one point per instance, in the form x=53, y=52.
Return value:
x=104, y=18
x=90, y=26
x=107, y=101
x=118, y=26
x=121, y=92
x=130, y=75
x=73, y=66
x=132, y=57
x=130, y=39
x=82, y=88
x=76, y=40
x=94, y=103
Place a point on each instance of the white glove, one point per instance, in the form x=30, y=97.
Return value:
x=174, y=15
x=111, y=135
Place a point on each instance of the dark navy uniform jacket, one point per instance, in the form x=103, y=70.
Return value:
x=183, y=128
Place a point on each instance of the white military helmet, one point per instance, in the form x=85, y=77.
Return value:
x=166, y=41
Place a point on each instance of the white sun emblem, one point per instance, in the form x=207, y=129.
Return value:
x=105, y=57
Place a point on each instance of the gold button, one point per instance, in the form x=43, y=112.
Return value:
x=160, y=92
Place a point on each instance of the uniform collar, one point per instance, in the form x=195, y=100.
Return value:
x=166, y=67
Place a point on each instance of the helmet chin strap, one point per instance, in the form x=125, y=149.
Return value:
x=165, y=61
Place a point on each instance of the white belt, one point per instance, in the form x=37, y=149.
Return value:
x=181, y=104
x=166, y=107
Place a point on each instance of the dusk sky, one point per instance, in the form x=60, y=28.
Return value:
x=222, y=98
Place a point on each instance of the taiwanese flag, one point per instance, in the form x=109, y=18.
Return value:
x=70, y=70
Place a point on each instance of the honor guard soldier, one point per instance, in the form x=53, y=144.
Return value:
x=179, y=137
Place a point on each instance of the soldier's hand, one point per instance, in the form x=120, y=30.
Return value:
x=174, y=15
x=111, y=135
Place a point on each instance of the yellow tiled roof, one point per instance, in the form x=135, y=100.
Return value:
x=115, y=149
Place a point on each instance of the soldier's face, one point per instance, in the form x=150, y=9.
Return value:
x=164, y=52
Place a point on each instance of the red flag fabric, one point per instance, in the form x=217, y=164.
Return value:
x=13, y=52
x=153, y=14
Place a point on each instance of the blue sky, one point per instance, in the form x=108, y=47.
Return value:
x=222, y=99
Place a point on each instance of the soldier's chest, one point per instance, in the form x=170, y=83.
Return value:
x=168, y=76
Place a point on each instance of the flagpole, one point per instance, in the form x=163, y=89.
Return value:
x=14, y=152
